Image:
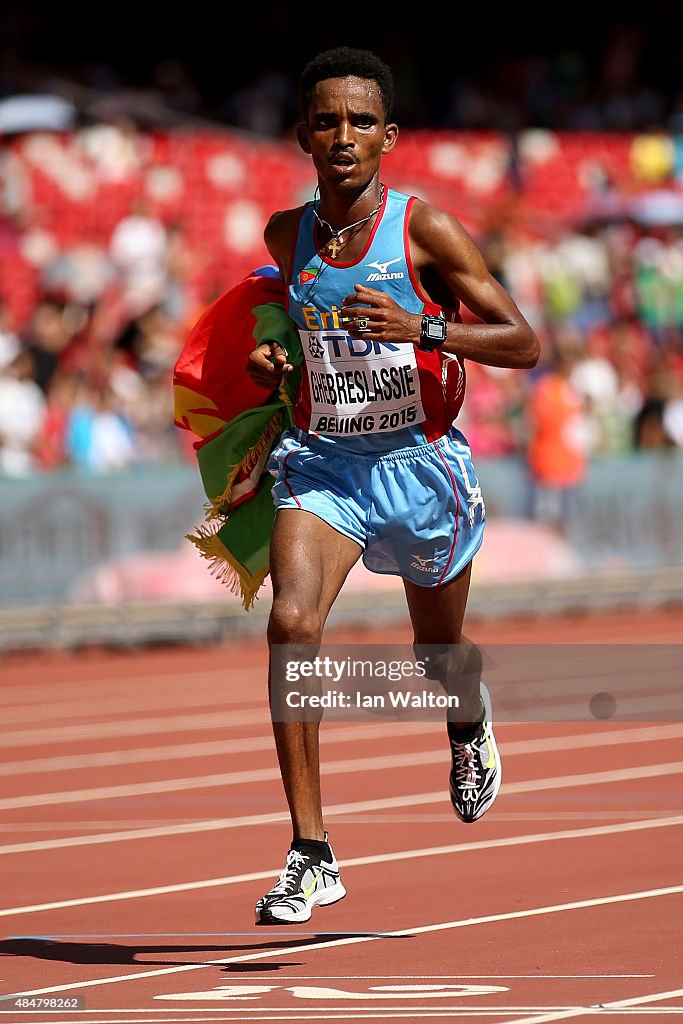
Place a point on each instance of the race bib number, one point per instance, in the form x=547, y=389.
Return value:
x=359, y=386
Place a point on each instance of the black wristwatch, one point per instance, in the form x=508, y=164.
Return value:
x=432, y=333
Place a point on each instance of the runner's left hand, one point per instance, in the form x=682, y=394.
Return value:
x=369, y=313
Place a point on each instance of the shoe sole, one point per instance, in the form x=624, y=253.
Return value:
x=488, y=716
x=323, y=898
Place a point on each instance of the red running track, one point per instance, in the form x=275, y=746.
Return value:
x=142, y=816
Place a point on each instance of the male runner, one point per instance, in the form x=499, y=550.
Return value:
x=374, y=465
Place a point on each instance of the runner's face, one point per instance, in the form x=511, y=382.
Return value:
x=345, y=131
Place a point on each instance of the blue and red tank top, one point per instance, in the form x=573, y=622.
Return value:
x=368, y=395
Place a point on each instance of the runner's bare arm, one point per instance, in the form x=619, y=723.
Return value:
x=268, y=362
x=442, y=251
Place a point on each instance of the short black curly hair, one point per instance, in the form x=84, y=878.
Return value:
x=341, y=62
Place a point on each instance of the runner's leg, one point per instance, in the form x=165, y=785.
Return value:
x=309, y=563
x=437, y=615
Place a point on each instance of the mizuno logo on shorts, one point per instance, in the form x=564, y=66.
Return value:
x=424, y=564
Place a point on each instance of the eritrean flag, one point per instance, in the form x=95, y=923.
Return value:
x=308, y=274
x=237, y=424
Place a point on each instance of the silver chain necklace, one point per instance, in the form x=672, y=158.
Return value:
x=337, y=240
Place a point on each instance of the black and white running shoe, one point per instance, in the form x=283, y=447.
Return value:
x=306, y=881
x=476, y=770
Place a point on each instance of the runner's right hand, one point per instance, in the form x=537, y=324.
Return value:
x=266, y=365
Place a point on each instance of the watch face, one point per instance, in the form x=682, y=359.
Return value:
x=434, y=329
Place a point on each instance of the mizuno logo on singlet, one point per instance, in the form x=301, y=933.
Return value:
x=382, y=271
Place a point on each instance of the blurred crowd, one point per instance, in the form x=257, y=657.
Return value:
x=607, y=303
x=85, y=379
x=88, y=382
x=114, y=242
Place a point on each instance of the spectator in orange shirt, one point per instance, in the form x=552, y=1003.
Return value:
x=559, y=445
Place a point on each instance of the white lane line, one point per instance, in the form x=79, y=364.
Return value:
x=217, y=780
x=87, y=691
x=369, y=977
x=347, y=766
x=303, y=1009
x=284, y=1013
x=338, y=1013
x=343, y=734
x=104, y=697
x=223, y=747
x=358, y=1014
x=602, y=816
x=383, y=858
x=597, y=778
x=515, y=915
x=313, y=1010
x=385, y=803
x=635, y=1002
x=88, y=731
x=134, y=727
x=639, y=1001
x=288, y=1009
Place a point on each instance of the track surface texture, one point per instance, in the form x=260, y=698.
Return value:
x=143, y=815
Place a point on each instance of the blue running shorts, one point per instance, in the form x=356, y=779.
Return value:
x=416, y=512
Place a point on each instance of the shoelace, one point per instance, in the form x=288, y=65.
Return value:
x=467, y=773
x=288, y=873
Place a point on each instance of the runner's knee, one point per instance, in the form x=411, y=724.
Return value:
x=292, y=621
